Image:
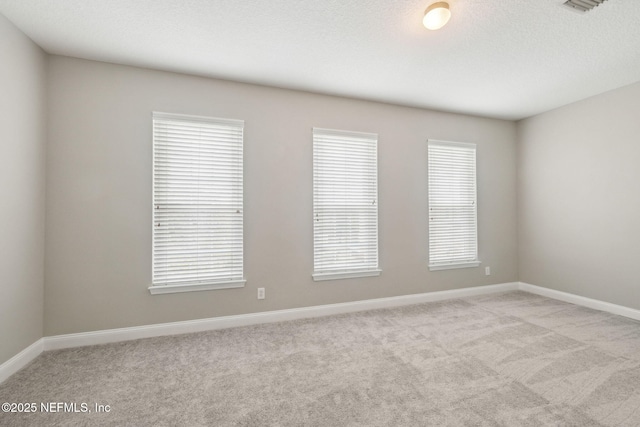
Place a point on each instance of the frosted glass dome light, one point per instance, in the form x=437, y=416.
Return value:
x=437, y=15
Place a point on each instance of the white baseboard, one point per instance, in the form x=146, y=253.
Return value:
x=583, y=301
x=200, y=325
x=20, y=360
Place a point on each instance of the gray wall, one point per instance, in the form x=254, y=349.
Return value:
x=22, y=153
x=579, y=198
x=98, y=228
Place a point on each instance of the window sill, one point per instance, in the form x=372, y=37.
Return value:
x=454, y=266
x=172, y=289
x=336, y=276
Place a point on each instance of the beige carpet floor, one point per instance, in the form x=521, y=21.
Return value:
x=510, y=359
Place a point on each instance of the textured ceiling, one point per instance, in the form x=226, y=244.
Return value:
x=499, y=58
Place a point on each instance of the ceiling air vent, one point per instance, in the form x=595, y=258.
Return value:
x=583, y=5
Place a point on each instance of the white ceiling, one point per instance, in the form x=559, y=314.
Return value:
x=499, y=58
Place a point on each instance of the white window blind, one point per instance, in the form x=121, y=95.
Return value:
x=453, y=234
x=197, y=203
x=345, y=204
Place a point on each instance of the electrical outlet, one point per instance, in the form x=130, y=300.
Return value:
x=487, y=271
x=260, y=293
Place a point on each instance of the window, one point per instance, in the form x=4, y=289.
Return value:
x=345, y=204
x=197, y=203
x=453, y=233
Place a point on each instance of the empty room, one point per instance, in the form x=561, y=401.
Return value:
x=320, y=213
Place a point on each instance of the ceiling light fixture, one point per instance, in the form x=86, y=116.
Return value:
x=436, y=15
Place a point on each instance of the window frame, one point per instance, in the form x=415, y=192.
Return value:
x=371, y=270
x=454, y=262
x=234, y=280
